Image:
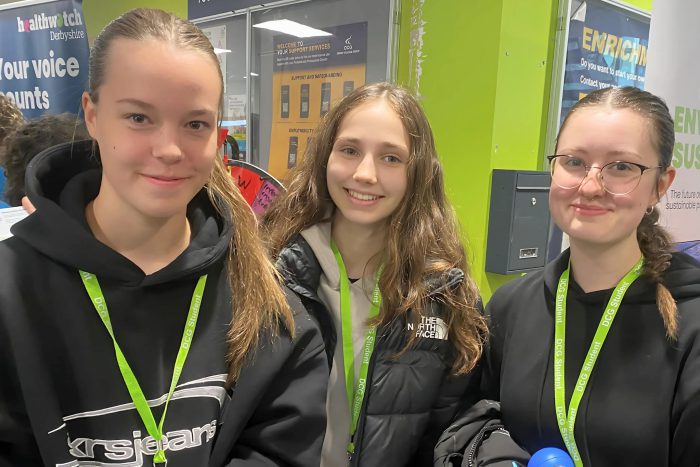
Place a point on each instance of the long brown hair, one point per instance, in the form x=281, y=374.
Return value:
x=654, y=241
x=259, y=304
x=423, y=237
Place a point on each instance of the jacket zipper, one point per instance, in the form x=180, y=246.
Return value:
x=359, y=432
x=474, y=445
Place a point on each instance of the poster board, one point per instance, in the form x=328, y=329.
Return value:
x=309, y=76
x=673, y=74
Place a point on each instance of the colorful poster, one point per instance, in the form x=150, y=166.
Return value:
x=607, y=46
x=673, y=74
x=309, y=76
x=258, y=187
x=44, y=56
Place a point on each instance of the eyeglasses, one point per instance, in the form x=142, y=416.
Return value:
x=616, y=177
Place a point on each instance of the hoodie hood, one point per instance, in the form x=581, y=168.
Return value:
x=682, y=278
x=62, y=180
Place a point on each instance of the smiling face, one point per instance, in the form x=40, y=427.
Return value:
x=367, y=168
x=599, y=135
x=155, y=123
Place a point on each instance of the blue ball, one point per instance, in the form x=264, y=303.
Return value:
x=550, y=457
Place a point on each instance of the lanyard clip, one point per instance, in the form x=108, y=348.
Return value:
x=159, y=458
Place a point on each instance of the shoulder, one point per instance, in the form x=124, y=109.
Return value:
x=306, y=333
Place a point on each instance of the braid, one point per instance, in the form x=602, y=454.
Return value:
x=656, y=245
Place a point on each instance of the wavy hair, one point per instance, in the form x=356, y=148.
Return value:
x=423, y=238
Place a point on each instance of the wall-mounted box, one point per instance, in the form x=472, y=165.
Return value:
x=518, y=221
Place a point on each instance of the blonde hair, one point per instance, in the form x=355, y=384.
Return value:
x=259, y=304
x=423, y=236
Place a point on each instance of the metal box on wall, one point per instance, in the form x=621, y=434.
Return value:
x=519, y=221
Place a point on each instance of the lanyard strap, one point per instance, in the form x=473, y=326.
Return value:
x=566, y=421
x=156, y=431
x=356, y=393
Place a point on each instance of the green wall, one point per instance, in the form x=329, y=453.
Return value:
x=98, y=13
x=485, y=73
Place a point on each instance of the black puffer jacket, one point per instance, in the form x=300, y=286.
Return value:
x=411, y=399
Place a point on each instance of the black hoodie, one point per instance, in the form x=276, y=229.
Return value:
x=63, y=401
x=642, y=402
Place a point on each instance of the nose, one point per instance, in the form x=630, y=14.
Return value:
x=365, y=172
x=592, y=183
x=166, y=145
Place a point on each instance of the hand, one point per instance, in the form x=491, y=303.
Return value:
x=27, y=205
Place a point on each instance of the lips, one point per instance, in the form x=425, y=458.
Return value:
x=164, y=180
x=362, y=196
x=589, y=209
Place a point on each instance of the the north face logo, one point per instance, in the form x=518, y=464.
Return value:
x=430, y=327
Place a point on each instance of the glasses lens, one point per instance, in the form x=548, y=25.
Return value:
x=620, y=178
x=568, y=171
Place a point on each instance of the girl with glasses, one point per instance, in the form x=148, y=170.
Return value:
x=599, y=354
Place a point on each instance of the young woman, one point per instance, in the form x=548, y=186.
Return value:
x=366, y=237
x=139, y=318
x=600, y=353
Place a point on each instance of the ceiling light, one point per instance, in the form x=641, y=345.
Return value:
x=292, y=28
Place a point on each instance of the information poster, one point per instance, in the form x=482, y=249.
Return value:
x=44, y=57
x=673, y=74
x=310, y=76
x=607, y=46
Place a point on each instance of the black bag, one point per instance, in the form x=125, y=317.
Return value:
x=477, y=438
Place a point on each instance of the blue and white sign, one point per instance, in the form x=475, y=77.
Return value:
x=44, y=56
x=607, y=46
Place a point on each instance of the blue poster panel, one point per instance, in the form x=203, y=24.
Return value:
x=44, y=57
x=607, y=46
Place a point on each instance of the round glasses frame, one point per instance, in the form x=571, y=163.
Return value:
x=552, y=164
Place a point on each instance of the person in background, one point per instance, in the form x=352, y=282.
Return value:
x=29, y=139
x=140, y=319
x=366, y=237
x=10, y=118
x=599, y=353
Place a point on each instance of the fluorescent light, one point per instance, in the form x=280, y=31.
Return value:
x=218, y=51
x=292, y=28
x=254, y=74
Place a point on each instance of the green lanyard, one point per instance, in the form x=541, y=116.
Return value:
x=156, y=431
x=356, y=394
x=567, y=421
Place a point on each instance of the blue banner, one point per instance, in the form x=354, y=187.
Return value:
x=44, y=57
x=607, y=46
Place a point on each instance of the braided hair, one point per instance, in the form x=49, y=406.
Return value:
x=654, y=241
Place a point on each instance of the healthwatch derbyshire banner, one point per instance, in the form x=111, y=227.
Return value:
x=44, y=56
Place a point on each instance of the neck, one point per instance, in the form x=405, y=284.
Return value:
x=601, y=267
x=149, y=243
x=358, y=245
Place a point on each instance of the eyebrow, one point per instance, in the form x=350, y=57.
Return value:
x=147, y=106
x=358, y=141
x=609, y=153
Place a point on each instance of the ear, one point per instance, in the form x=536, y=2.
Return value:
x=665, y=182
x=90, y=112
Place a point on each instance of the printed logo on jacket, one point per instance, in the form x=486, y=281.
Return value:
x=430, y=327
x=115, y=436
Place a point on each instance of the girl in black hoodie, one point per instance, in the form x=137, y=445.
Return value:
x=140, y=321
x=600, y=353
